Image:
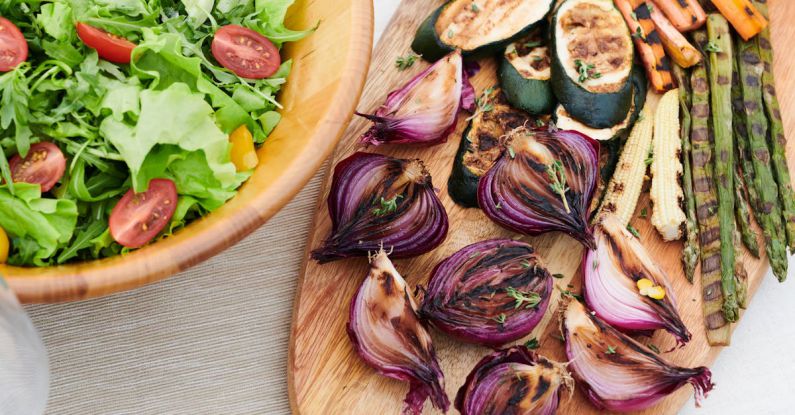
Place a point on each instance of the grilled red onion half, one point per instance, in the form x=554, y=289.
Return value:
x=378, y=201
x=610, y=276
x=388, y=335
x=618, y=373
x=543, y=182
x=423, y=111
x=513, y=381
x=491, y=292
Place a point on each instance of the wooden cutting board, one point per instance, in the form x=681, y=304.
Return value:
x=325, y=374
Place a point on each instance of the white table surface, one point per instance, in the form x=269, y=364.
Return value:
x=197, y=345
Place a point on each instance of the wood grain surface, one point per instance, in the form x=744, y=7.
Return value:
x=325, y=374
x=329, y=70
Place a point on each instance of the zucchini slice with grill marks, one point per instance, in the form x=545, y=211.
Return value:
x=592, y=54
x=480, y=147
x=477, y=27
x=524, y=75
x=564, y=120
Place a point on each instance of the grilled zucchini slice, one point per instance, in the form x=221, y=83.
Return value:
x=480, y=148
x=524, y=75
x=592, y=54
x=477, y=27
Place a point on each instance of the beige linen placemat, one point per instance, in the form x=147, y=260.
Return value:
x=211, y=340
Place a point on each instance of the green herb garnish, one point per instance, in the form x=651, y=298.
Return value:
x=586, y=70
x=712, y=47
x=639, y=33
x=610, y=350
x=483, y=102
x=644, y=213
x=557, y=177
x=533, y=44
x=532, y=299
x=405, y=62
x=558, y=276
x=532, y=344
x=500, y=319
x=386, y=206
x=654, y=348
x=633, y=231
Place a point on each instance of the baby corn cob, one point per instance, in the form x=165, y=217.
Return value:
x=690, y=250
x=666, y=169
x=627, y=181
x=777, y=140
x=720, y=80
x=706, y=204
x=768, y=212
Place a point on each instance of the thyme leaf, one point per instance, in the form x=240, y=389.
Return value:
x=386, y=206
x=557, y=178
x=405, y=62
x=532, y=299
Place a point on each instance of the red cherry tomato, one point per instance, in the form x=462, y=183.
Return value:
x=109, y=46
x=245, y=52
x=139, y=217
x=44, y=165
x=13, y=46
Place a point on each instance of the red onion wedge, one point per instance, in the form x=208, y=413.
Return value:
x=378, y=201
x=514, y=381
x=423, y=111
x=388, y=335
x=543, y=182
x=618, y=373
x=610, y=279
x=491, y=292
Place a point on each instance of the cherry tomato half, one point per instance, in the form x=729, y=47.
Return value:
x=109, y=46
x=139, y=217
x=245, y=52
x=13, y=46
x=44, y=165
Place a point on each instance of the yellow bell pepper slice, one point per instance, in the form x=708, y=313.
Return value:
x=4, y=246
x=243, y=155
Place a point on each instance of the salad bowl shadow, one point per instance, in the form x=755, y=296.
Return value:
x=329, y=70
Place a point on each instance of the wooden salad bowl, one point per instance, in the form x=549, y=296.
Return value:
x=319, y=98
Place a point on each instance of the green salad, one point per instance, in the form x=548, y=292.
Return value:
x=123, y=120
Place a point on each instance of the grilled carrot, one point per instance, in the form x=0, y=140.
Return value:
x=658, y=66
x=743, y=16
x=685, y=15
x=677, y=47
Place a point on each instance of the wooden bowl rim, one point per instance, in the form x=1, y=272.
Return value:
x=81, y=281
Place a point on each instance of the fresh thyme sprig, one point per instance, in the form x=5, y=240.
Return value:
x=532, y=299
x=405, y=62
x=586, y=70
x=386, y=206
x=557, y=178
x=483, y=102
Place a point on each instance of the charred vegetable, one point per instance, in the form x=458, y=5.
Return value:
x=491, y=292
x=592, y=62
x=744, y=17
x=543, y=182
x=706, y=204
x=480, y=145
x=477, y=28
x=626, y=184
x=524, y=75
x=658, y=67
x=676, y=45
x=514, y=381
x=666, y=169
x=691, y=250
x=387, y=334
x=685, y=15
x=625, y=287
x=720, y=75
x=424, y=111
x=377, y=201
x=618, y=373
x=778, y=142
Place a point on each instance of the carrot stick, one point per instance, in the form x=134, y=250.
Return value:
x=678, y=48
x=649, y=45
x=685, y=15
x=743, y=16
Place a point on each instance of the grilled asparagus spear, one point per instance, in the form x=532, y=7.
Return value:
x=720, y=75
x=777, y=139
x=706, y=203
x=768, y=210
x=742, y=215
x=691, y=250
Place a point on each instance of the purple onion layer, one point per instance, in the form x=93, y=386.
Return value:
x=543, y=182
x=513, y=381
x=388, y=335
x=490, y=292
x=378, y=201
